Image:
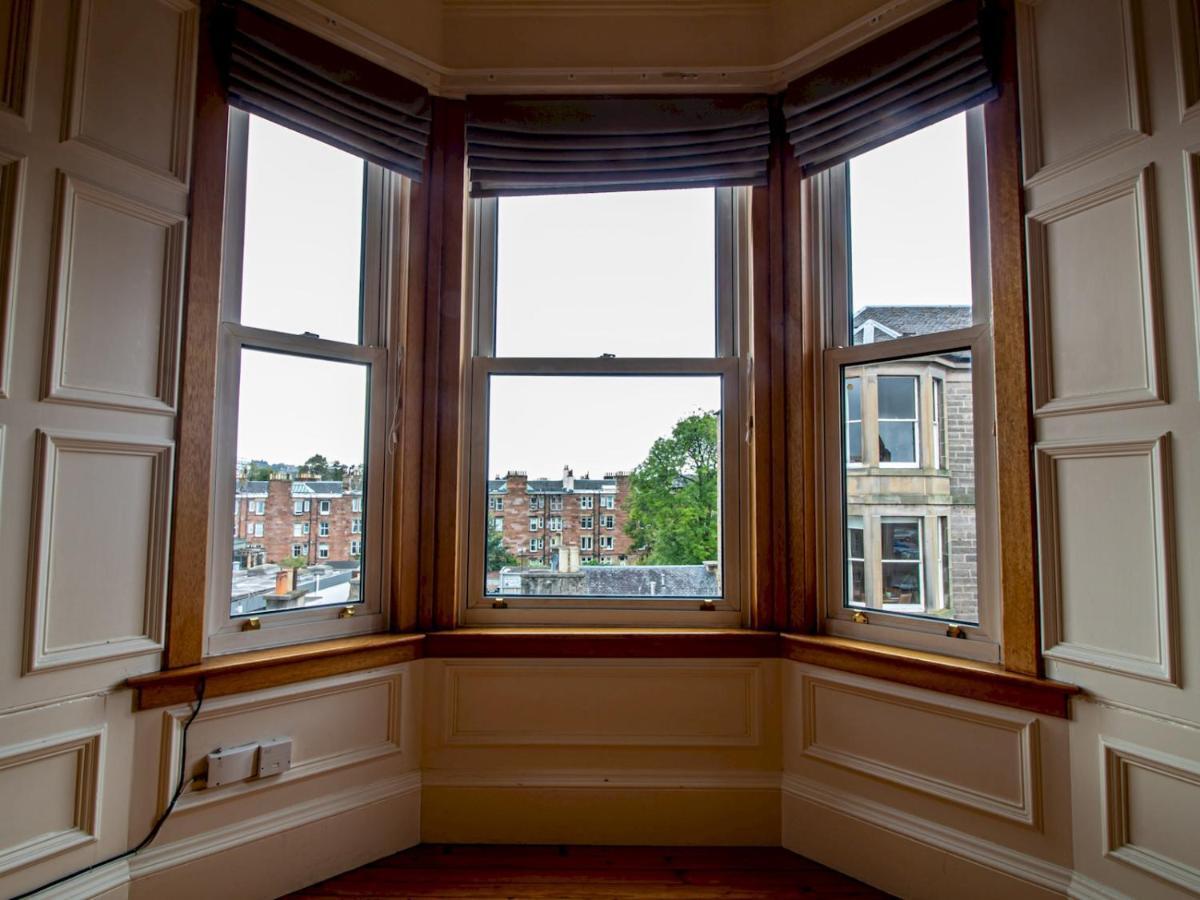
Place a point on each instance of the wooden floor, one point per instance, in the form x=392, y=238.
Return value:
x=603, y=873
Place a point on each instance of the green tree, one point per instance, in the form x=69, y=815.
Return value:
x=497, y=556
x=673, y=504
x=316, y=465
x=294, y=562
x=258, y=471
x=337, y=471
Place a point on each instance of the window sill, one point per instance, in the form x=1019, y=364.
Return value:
x=238, y=673
x=242, y=672
x=948, y=675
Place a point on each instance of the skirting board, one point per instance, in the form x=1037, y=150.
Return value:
x=859, y=837
x=589, y=808
x=270, y=854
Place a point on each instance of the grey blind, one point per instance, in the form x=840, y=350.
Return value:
x=296, y=79
x=926, y=70
x=559, y=145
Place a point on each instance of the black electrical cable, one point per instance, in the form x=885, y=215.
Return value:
x=157, y=825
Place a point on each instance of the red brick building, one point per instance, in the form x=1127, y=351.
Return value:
x=536, y=517
x=318, y=521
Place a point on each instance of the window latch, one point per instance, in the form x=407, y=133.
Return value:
x=254, y=623
x=860, y=618
x=499, y=604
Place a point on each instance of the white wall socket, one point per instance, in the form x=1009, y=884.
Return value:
x=274, y=756
x=232, y=764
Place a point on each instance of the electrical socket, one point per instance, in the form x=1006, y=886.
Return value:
x=226, y=766
x=274, y=756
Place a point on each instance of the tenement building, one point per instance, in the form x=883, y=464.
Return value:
x=536, y=517
x=910, y=471
x=312, y=521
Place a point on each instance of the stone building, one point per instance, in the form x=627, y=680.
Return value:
x=317, y=521
x=537, y=517
x=910, y=471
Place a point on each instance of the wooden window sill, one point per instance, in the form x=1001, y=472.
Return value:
x=932, y=671
x=242, y=672
x=238, y=673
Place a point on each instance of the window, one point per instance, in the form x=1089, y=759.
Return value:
x=355, y=548
x=535, y=523
x=854, y=435
x=323, y=529
x=556, y=540
x=535, y=545
x=297, y=550
x=498, y=523
x=606, y=541
x=260, y=507
x=302, y=316
x=356, y=504
x=356, y=526
x=496, y=503
x=585, y=560
x=645, y=345
x=258, y=529
x=909, y=394
x=297, y=530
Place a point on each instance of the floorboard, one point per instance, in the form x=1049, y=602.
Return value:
x=590, y=873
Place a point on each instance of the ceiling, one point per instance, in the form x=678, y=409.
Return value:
x=487, y=46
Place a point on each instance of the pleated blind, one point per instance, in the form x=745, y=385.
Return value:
x=548, y=145
x=296, y=79
x=922, y=72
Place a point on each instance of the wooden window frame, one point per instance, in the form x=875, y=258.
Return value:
x=781, y=562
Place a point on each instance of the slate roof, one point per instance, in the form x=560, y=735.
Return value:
x=554, y=485
x=299, y=488
x=909, y=320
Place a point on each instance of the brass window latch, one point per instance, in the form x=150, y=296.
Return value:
x=254, y=623
x=860, y=618
x=346, y=612
x=708, y=605
x=956, y=631
x=499, y=604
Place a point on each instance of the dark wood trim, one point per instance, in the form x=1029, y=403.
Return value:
x=1014, y=420
x=242, y=672
x=441, y=200
x=198, y=363
x=944, y=674
x=601, y=643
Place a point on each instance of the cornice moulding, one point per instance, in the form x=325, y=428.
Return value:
x=456, y=82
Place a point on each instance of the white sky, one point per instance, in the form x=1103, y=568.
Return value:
x=909, y=220
x=578, y=275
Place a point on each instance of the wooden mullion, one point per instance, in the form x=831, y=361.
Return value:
x=1014, y=422
x=194, y=477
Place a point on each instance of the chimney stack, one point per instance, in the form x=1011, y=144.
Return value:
x=568, y=479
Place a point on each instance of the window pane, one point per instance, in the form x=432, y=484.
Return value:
x=626, y=273
x=897, y=397
x=302, y=257
x=300, y=453
x=912, y=530
x=897, y=442
x=910, y=235
x=634, y=462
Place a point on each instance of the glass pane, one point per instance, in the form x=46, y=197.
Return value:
x=854, y=452
x=897, y=442
x=910, y=235
x=299, y=520
x=853, y=399
x=913, y=528
x=635, y=464
x=897, y=397
x=625, y=273
x=302, y=256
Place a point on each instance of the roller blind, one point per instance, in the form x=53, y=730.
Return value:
x=294, y=78
x=921, y=72
x=545, y=145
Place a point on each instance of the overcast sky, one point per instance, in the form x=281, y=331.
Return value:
x=625, y=273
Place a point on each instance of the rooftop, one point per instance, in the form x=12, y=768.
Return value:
x=910, y=320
